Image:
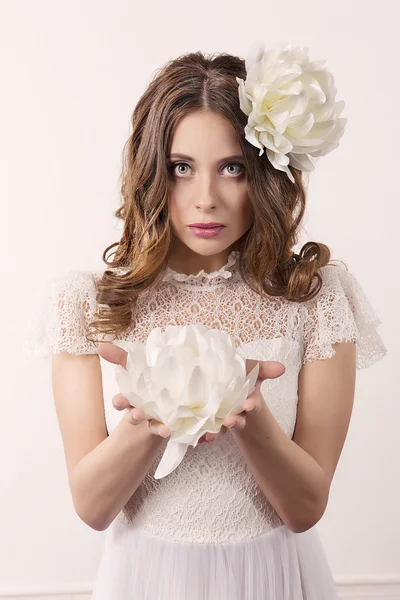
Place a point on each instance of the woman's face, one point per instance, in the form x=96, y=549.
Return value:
x=207, y=183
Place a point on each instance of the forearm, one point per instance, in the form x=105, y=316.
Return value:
x=290, y=478
x=107, y=477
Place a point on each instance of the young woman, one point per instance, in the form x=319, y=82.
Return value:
x=210, y=224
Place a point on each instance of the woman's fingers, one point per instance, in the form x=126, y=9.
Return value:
x=210, y=437
x=236, y=421
x=136, y=416
x=158, y=428
x=112, y=353
x=120, y=402
x=269, y=369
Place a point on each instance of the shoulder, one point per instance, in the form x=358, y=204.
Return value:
x=339, y=287
x=74, y=279
x=340, y=312
x=78, y=285
x=74, y=286
x=60, y=314
x=336, y=277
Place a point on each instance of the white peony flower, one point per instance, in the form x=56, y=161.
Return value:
x=190, y=378
x=291, y=106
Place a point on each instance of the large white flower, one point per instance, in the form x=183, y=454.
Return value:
x=291, y=106
x=190, y=378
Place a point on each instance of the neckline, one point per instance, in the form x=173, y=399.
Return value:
x=219, y=277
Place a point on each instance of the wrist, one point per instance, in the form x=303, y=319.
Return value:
x=256, y=423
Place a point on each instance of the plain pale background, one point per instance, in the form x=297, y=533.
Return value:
x=71, y=74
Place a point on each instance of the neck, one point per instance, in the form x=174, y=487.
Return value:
x=183, y=260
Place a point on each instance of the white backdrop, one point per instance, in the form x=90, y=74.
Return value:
x=71, y=74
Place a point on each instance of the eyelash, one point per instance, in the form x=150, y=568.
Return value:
x=241, y=167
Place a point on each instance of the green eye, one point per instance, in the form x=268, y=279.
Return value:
x=238, y=165
x=240, y=168
x=182, y=165
x=173, y=166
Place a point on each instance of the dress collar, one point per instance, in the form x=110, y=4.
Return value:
x=221, y=276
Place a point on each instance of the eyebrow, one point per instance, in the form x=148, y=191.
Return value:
x=186, y=157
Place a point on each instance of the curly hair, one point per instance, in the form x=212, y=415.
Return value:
x=197, y=82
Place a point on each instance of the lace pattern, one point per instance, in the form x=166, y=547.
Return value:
x=202, y=277
x=212, y=496
x=60, y=316
x=341, y=313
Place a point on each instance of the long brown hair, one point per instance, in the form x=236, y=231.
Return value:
x=195, y=82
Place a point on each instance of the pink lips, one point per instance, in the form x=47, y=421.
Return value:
x=206, y=232
x=205, y=225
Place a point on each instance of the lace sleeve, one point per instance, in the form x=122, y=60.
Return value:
x=61, y=314
x=341, y=312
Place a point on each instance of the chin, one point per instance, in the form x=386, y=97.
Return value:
x=206, y=248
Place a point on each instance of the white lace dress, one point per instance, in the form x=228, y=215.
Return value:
x=206, y=531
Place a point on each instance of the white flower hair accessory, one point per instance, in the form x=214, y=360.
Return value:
x=291, y=106
x=190, y=378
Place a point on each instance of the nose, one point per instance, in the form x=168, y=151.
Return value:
x=205, y=193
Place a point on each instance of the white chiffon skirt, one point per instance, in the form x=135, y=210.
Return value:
x=278, y=565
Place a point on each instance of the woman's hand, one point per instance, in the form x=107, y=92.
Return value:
x=135, y=416
x=255, y=401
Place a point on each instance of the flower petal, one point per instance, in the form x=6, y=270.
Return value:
x=244, y=100
x=301, y=162
x=172, y=457
x=300, y=125
x=277, y=165
x=252, y=137
x=279, y=119
x=215, y=399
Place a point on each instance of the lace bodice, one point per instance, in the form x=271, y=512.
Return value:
x=212, y=496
